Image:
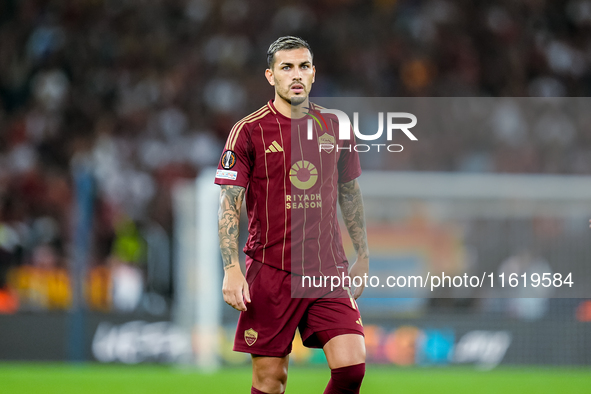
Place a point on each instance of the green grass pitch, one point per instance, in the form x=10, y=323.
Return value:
x=28, y=378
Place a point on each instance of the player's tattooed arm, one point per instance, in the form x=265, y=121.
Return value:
x=234, y=286
x=228, y=224
x=351, y=203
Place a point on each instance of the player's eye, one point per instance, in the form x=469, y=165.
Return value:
x=285, y=68
x=305, y=67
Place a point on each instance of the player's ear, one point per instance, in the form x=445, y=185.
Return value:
x=313, y=74
x=269, y=76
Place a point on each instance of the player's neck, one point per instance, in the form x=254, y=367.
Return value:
x=285, y=108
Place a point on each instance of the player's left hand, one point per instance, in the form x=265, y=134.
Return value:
x=359, y=269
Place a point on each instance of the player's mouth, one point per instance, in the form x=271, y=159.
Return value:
x=297, y=88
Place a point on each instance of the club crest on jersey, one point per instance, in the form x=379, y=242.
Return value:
x=326, y=142
x=250, y=336
x=228, y=159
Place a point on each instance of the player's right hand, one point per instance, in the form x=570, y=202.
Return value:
x=235, y=288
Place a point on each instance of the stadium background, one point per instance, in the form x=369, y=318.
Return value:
x=125, y=100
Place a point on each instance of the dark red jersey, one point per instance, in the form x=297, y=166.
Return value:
x=291, y=184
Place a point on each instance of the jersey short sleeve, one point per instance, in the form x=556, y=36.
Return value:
x=349, y=166
x=235, y=165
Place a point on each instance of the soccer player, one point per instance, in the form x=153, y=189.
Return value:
x=292, y=184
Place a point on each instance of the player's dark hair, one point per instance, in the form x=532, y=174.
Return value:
x=286, y=43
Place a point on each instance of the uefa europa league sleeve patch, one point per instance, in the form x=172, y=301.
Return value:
x=228, y=159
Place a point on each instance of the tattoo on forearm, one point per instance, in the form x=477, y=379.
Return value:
x=228, y=223
x=351, y=204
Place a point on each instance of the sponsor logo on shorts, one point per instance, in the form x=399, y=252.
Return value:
x=358, y=321
x=250, y=336
x=223, y=174
x=228, y=160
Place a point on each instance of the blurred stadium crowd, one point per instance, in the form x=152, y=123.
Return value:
x=145, y=92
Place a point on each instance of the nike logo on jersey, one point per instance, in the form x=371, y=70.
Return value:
x=274, y=147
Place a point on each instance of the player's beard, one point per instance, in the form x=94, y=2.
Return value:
x=297, y=100
x=294, y=100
